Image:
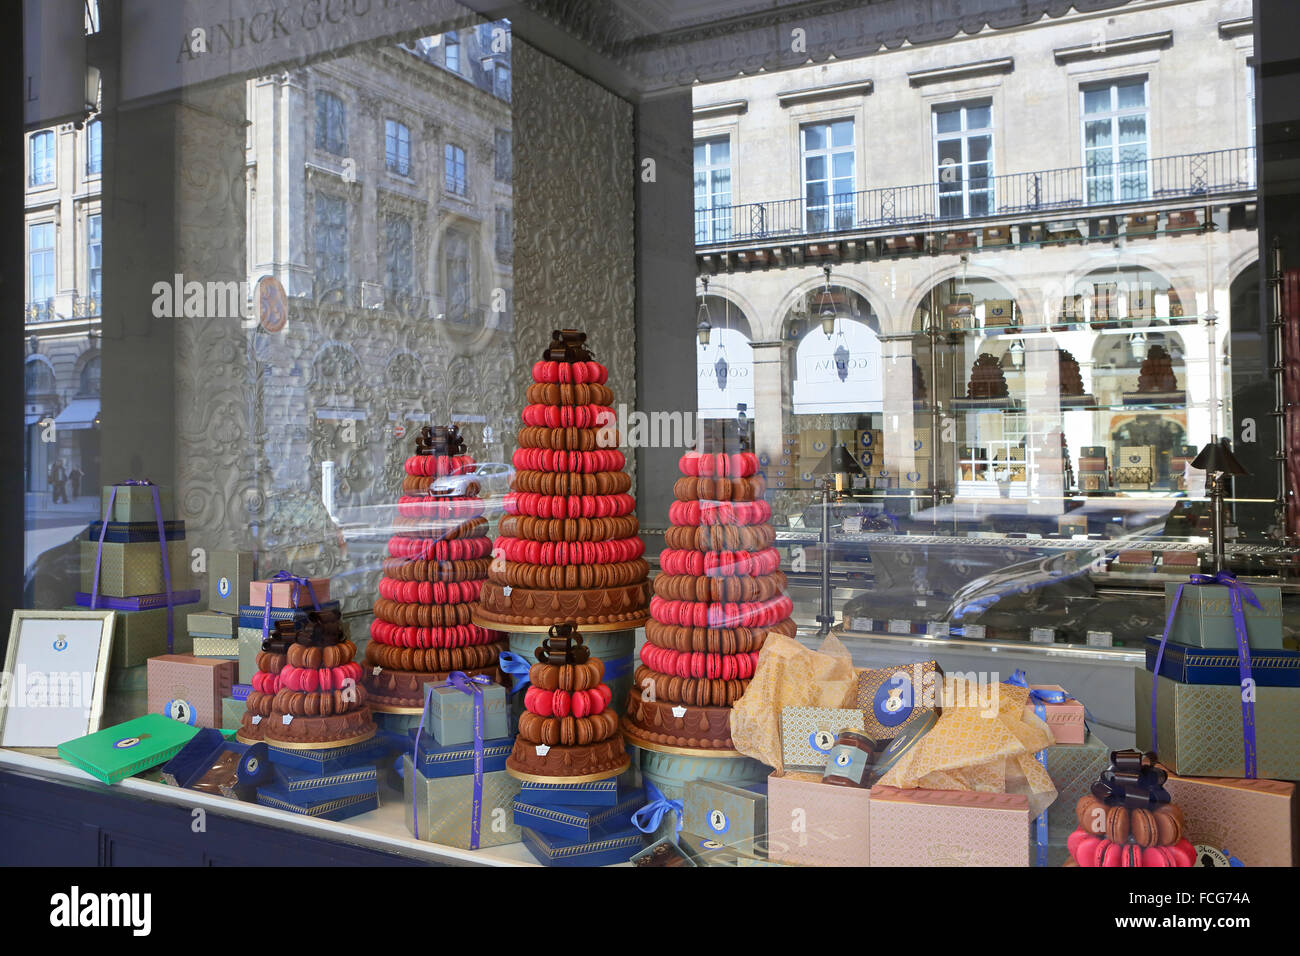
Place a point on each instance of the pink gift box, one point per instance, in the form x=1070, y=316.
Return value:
x=189, y=689
x=1065, y=720
x=948, y=828
x=282, y=593
x=1253, y=820
x=815, y=823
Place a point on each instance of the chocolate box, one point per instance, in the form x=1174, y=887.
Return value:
x=439, y=809
x=340, y=809
x=213, y=764
x=188, y=688
x=1074, y=768
x=728, y=815
x=210, y=624
x=306, y=789
x=137, y=602
x=1253, y=820
x=232, y=712
x=662, y=853
x=1201, y=665
x=288, y=594
x=224, y=647
x=250, y=616
x=1065, y=719
x=328, y=760
x=816, y=824
x=576, y=823
x=670, y=772
x=434, y=760
x=606, y=848
x=893, y=697
x=708, y=851
x=140, y=635
x=589, y=793
x=1200, y=728
x=125, y=532
x=808, y=733
x=128, y=570
x=134, y=504
x=229, y=575
x=1204, y=617
x=948, y=828
x=449, y=713
x=250, y=645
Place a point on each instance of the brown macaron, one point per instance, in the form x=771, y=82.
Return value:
x=1117, y=824
x=1142, y=824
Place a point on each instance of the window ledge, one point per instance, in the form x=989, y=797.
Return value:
x=1092, y=51
x=721, y=109
x=1235, y=28
x=962, y=71
x=833, y=91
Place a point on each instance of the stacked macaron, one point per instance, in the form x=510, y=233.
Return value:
x=568, y=547
x=719, y=594
x=437, y=560
x=1124, y=836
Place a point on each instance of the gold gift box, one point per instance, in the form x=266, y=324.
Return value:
x=132, y=568
x=140, y=635
x=443, y=806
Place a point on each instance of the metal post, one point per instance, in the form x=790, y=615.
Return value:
x=827, y=616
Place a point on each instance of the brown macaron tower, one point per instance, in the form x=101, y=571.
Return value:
x=437, y=561
x=568, y=732
x=1128, y=819
x=307, y=692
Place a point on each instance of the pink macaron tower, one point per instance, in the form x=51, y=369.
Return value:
x=438, y=559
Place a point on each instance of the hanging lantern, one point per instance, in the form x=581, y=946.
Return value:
x=1017, y=351
x=827, y=313
x=720, y=368
x=703, y=325
x=842, y=360
x=1137, y=343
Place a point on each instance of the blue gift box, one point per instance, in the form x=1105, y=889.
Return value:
x=1188, y=664
x=196, y=758
x=727, y=815
x=309, y=789
x=577, y=823
x=592, y=793
x=124, y=532
x=606, y=847
x=437, y=761
x=251, y=616
x=339, y=809
x=352, y=757
x=138, y=602
x=449, y=713
x=241, y=691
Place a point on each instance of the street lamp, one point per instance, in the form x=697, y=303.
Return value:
x=827, y=313
x=703, y=326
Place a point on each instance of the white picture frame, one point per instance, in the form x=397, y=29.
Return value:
x=55, y=677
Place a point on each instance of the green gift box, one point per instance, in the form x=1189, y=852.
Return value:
x=449, y=713
x=211, y=624
x=133, y=568
x=443, y=807
x=134, y=503
x=1200, y=728
x=250, y=645
x=1204, y=617
x=1074, y=768
x=730, y=816
x=140, y=635
x=232, y=712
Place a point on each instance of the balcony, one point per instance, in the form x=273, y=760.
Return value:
x=1056, y=193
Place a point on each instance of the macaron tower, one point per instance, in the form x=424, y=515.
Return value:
x=437, y=561
x=1128, y=819
x=567, y=550
x=568, y=730
x=307, y=691
x=719, y=593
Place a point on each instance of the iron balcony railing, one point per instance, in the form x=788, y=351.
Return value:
x=1194, y=176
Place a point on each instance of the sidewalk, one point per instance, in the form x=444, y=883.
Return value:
x=49, y=525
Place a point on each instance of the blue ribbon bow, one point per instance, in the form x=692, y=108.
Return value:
x=474, y=687
x=298, y=583
x=1238, y=595
x=162, y=550
x=648, y=818
x=517, y=667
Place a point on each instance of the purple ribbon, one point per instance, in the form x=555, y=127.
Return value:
x=298, y=582
x=1237, y=592
x=1040, y=698
x=162, y=550
x=474, y=687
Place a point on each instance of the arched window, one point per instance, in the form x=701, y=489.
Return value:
x=38, y=379
x=458, y=278
x=840, y=372
x=725, y=367
x=88, y=384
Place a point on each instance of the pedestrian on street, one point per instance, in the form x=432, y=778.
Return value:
x=75, y=477
x=58, y=482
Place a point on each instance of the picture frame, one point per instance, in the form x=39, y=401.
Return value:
x=55, y=677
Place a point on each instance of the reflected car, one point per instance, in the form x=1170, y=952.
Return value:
x=490, y=479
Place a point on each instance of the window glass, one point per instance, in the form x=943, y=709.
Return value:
x=397, y=147
x=713, y=189
x=94, y=148
x=40, y=265
x=94, y=260
x=454, y=169
x=41, y=158
x=331, y=238
x=331, y=124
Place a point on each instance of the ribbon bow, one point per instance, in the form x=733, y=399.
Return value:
x=1133, y=779
x=474, y=687
x=162, y=550
x=518, y=668
x=1239, y=594
x=298, y=583
x=1039, y=699
x=648, y=818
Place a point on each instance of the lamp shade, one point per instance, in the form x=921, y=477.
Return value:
x=838, y=461
x=1218, y=457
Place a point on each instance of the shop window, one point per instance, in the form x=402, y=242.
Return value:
x=453, y=170
x=963, y=159
x=1115, y=140
x=331, y=236
x=40, y=264
x=41, y=158
x=828, y=175
x=397, y=148
x=398, y=271
x=713, y=189
x=94, y=148
x=331, y=123
x=451, y=52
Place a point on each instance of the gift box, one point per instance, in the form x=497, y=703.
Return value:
x=133, y=504
x=138, y=602
x=121, y=532
x=1064, y=719
x=449, y=713
x=241, y=691
x=443, y=807
x=948, y=828
x=709, y=851
x=140, y=635
x=251, y=617
x=309, y=789
x=893, y=697
x=662, y=853
x=211, y=763
x=210, y=624
x=914, y=475
x=333, y=759
x=1200, y=665
x=117, y=752
x=606, y=848
x=813, y=823
x=576, y=823
x=340, y=809
x=1252, y=820
x=671, y=772
x=232, y=712
x=229, y=575
x=223, y=647
x=1200, y=728
x=288, y=594
x=1204, y=617
x=731, y=816
x=1074, y=768
x=188, y=688
x=129, y=570
x=999, y=313
x=434, y=760
x=808, y=733
x=249, y=643
x=589, y=793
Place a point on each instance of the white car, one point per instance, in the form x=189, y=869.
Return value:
x=489, y=479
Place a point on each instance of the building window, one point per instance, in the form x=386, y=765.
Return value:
x=501, y=80
x=94, y=263
x=453, y=170
x=331, y=123
x=505, y=160
x=94, y=148
x=1115, y=141
x=1250, y=106
x=88, y=381
x=505, y=235
x=42, y=158
x=331, y=235
x=398, y=272
x=451, y=52
x=828, y=177
x=40, y=264
x=963, y=160
x=713, y=189
x=397, y=148
x=459, y=278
